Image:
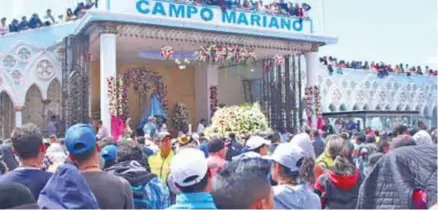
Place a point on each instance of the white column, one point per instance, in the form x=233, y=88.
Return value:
x=206, y=75
x=311, y=69
x=107, y=69
x=18, y=116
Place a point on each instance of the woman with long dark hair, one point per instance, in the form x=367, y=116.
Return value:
x=338, y=187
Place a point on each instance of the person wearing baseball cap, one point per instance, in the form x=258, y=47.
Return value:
x=189, y=172
x=217, y=151
x=291, y=192
x=109, y=154
x=257, y=147
x=111, y=192
x=160, y=161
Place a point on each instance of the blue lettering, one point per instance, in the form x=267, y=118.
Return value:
x=297, y=25
x=176, y=10
x=285, y=23
x=229, y=17
x=242, y=19
x=265, y=21
x=142, y=7
x=206, y=14
x=273, y=23
x=255, y=19
x=191, y=10
x=159, y=9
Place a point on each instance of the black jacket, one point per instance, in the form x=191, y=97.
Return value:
x=396, y=175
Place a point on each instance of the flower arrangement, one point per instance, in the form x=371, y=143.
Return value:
x=231, y=54
x=308, y=92
x=278, y=60
x=180, y=117
x=213, y=99
x=246, y=119
x=116, y=93
x=112, y=95
x=317, y=95
x=167, y=52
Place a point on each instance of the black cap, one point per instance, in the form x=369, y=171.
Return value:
x=215, y=145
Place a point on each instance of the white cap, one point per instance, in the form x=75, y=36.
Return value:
x=303, y=140
x=287, y=155
x=255, y=142
x=187, y=163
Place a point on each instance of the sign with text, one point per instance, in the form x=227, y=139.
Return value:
x=211, y=15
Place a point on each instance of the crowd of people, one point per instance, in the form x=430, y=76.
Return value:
x=48, y=19
x=89, y=170
x=382, y=69
x=275, y=8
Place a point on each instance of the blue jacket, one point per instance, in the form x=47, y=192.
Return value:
x=200, y=200
x=67, y=189
x=33, y=178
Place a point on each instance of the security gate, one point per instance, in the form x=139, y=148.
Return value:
x=75, y=80
x=281, y=93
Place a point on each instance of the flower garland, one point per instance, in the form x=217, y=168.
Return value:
x=167, y=52
x=213, y=99
x=317, y=100
x=141, y=80
x=112, y=95
x=180, y=117
x=308, y=98
x=278, y=60
x=117, y=93
x=232, y=54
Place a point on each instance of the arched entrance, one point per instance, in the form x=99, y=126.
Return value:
x=332, y=108
x=52, y=106
x=355, y=107
x=33, y=107
x=342, y=108
x=7, y=115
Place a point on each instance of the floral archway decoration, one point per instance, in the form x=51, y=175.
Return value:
x=141, y=80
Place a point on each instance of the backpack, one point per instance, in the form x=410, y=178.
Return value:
x=140, y=197
x=151, y=195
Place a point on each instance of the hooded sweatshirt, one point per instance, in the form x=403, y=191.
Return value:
x=67, y=189
x=338, y=191
x=148, y=190
x=295, y=197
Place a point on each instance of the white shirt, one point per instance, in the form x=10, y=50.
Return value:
x=102, y=133
x=163, y=127
x=200, y=128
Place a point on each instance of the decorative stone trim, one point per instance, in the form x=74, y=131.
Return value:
x=108, y=28
x=201, y=37
x=19, y=108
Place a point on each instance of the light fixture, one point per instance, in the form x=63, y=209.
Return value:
x=252, y=70
x=182, y=67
